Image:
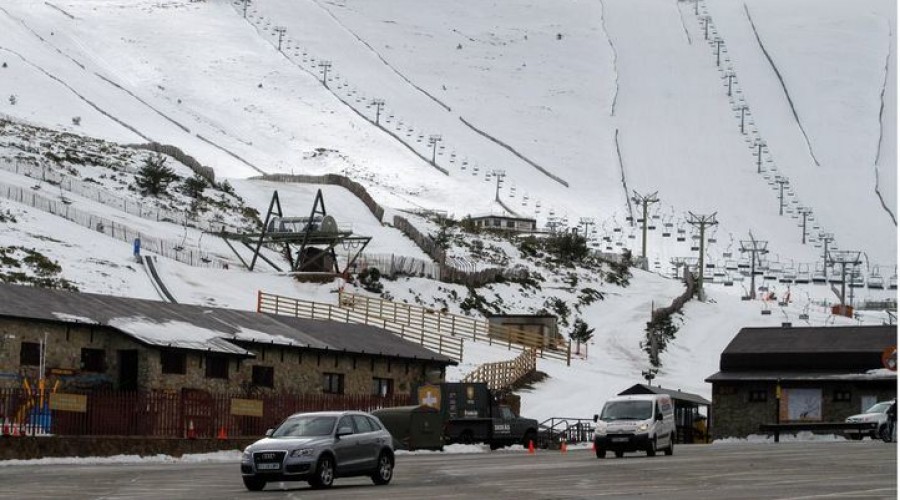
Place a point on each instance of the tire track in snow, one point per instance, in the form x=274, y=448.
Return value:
x=513, y=151
x=380, y=57
x=83, y=98
x=783, y=85
x=683, y=25
x=624, y=182
x=612, y=108
x=887, y=61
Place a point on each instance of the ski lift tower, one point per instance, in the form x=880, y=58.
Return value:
x=307, y=243
x=843, y=258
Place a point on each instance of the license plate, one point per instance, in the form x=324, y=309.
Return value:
x=268, y=466
x=619, y=440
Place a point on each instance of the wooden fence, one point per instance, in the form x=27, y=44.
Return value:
x=460, y=327
x=504, y=375
x=426, y=337
x=186, y=413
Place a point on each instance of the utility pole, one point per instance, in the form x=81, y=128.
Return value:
x=706, y=28
x=844, y=258
x=245, y=8
x=781, y=182
x=378, y=103
x=587, y=222
x=645, y=201
x=499, y=174
x=325, y=65
x=760, y=144
x=754, y=247
x=805, y=213
x=433, y=140
x=280, y=30
x=701, y=221
x=730, y=77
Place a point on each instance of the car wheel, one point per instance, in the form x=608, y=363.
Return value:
x=856, y=437
x=466, y=437
x=619, y=454
x=385, y=470
x=651, y=448
x=601, y=453
x=324, y=475
x=254, y=483
x=671, y=449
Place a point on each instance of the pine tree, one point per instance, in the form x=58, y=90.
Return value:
x=580, y=333
x=194, y=186
x=154, y=177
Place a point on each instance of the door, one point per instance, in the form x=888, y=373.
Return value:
x=128, y=370
x=368, y=443
x=346, y=448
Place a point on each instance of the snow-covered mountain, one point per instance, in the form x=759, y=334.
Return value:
x=579, y=104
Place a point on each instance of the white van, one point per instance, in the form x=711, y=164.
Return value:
x=635, y=423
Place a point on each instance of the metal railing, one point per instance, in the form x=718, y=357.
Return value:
x=187, y=413
x=426, y=337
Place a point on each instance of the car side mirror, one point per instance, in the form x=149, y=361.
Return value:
x=269, y=432
x=344, y=431
x=659, y=416
x=596, y=417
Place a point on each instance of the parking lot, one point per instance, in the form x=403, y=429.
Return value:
x=866, y=469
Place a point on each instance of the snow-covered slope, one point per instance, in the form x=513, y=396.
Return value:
x=579, y=104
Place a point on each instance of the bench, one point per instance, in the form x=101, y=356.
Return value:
x=777, y=429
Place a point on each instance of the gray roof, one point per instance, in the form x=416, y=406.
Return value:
x=824, y=348
x=830, y=376
x=674, y=393
x=204, y=328
x=795, y=339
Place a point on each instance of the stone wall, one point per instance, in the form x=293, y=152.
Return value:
x=296, y=370
x=734, y=415
x=25, y=448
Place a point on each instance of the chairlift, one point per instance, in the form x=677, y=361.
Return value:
x=666, y=234
x=726, y=254
x=693, y=248
x=679, y=238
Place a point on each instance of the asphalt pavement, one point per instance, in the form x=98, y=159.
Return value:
x=866, y=469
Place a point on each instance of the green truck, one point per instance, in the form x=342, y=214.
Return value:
x=472, y=414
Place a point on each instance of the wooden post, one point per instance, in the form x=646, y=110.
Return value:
x=259, y=301
x=569, y=353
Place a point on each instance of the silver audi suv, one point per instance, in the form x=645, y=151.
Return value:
x=318, y=447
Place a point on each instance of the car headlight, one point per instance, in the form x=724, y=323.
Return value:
x=600, y=428
x=245, y=456
x=302, y=452
x=643, y=427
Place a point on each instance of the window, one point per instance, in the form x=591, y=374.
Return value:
x=333, y=383
x=345, y=423
x=93, y=360
x=510, y=224
x=842, y=396
x=382, y=386
x=173, y=362
x=758, y=396
x=374, y=424
x=30, y=354
x=362, y=424
x=264, y=376
x=216, y=367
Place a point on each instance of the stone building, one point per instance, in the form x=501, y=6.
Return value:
x=799, y=374
x=86, y=341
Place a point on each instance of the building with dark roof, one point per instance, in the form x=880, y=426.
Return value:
x=505, y=223
x=798, y=374
x=87, y=341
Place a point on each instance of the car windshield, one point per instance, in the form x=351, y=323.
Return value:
x=305, y=426
x=627, y=410
x=879, y=407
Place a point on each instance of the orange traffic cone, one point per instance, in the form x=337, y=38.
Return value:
x=5, y=428
x=16, y=432
x=222, y=435
x=191, y=434
x=530, y=447
x=563, y=448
